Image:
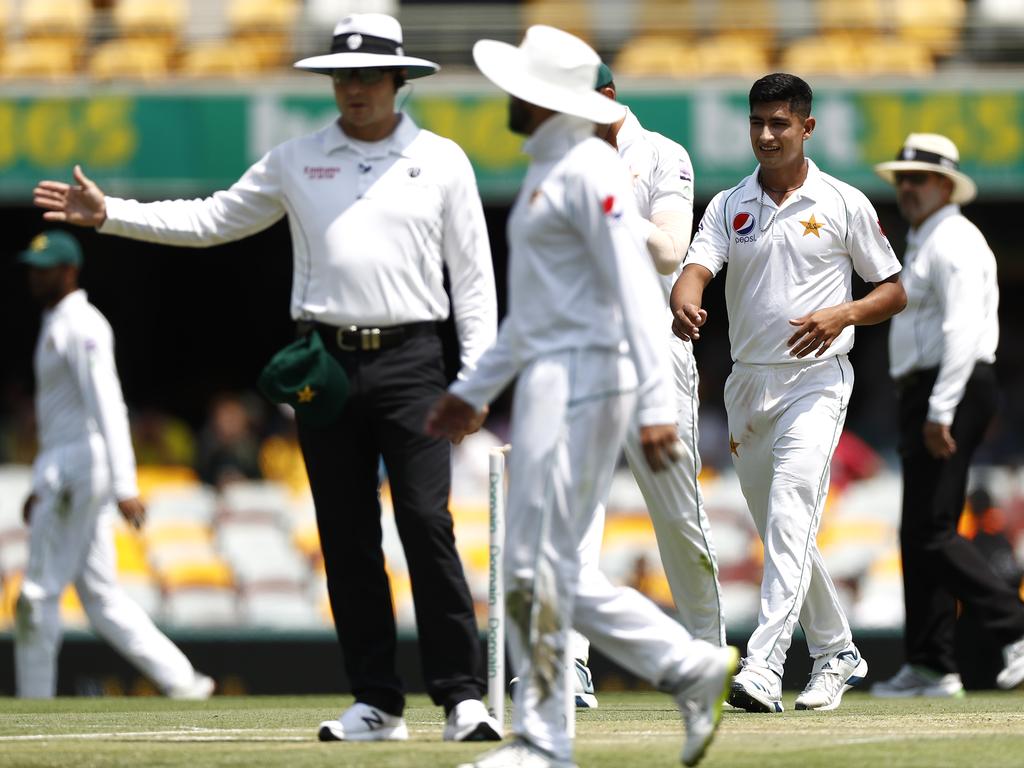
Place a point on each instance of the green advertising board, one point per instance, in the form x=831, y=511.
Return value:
x=151, y=143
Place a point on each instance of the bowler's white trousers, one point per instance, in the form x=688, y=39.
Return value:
x=569, y=417
x=71, y=539
x=784, y=424
x=676, y=506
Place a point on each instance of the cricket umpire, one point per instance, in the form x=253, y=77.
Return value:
x=377, y=208
x=941, y=355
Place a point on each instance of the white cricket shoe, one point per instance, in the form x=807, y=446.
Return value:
x=469, y=721
x=756, y=689
x=583, y=686
x=701, y=702
x=585, y=698
x=831, y=677
x=913, y=681
x=1012, y=674
x=199, y=689
x=362, y=722
x=518, y=754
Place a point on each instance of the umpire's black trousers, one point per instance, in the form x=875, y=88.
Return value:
x=940, y=566
x=391, y=391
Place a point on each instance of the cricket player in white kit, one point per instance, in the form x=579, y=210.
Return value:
x=662, y=182
x=582, y=297
x=792, y=237
x=84, y=474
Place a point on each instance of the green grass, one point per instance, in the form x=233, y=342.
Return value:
x=630, y=729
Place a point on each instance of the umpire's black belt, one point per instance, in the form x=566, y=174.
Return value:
x=357, y=338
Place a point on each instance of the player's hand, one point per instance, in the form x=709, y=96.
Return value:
x=938, y=440
x=660, y=444
x=453, y=418
x=83, y=203
x=26, y=508
x=688, y=320
x=816, y=331
x=133, y=511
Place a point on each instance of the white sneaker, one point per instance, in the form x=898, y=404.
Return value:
x=469, y=721
x=756, y=689
x=585, y=698
x=200, y=689
x=831, y=677
x=361, y=722
x=701, y=703
x=583, y=690
x=1013, y=673
x=519, y=754
x=912, y=681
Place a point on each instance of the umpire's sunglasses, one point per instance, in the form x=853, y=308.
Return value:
x=913, y=178
x=365, y=75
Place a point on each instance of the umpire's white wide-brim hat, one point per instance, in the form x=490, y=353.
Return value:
x=363, y=40
x=551, y=69
x=934, y=153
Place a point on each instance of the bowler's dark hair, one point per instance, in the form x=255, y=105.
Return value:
x=781, y=86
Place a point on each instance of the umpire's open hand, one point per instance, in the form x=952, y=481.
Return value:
x=454, y=418
x=83, y=204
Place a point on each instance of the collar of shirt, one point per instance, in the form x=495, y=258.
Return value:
x=395, y=144
x=629, y=132
x=917, y=236
x=557, y=135
x=73, y=299
x=809, y=190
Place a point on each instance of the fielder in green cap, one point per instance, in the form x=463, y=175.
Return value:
x=52, y=248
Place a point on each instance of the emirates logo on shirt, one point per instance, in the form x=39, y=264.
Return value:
x=321, y=172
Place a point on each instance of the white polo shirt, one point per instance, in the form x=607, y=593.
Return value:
x=78, y=395
x=372, y=225
x=579, y=274
x=662, y=176
x=787, y=262
x=952, y=317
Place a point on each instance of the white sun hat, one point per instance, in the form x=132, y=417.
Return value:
x=364, y=40
x=934, y=153
x=551, y=69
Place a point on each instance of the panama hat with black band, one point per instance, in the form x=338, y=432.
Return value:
x=932, y=153
x=368, y=40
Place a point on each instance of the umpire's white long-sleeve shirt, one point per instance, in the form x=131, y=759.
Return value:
x=78, y=395
x=579, y=273
x=951, y=321
x=372, y=224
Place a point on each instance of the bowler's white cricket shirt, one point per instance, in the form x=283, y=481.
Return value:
x=662, y=176
x=951, y=321
x=78, y=395
x=787, y=262
x=579, y=274
x=372, y=224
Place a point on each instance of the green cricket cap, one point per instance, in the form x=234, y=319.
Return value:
x=604, y=76
x=305, y=376
x=51, y=248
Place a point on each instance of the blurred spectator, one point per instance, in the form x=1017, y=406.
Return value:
x=228, y=444
x=853, y=460
x=162, y=440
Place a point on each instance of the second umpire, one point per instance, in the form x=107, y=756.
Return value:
x=377, y=209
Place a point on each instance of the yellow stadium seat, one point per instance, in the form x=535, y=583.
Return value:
x=131, y=551
x=265, y=27
x=209, y=572
x=730, y=56
x=678, y=18
x=656, y=56
x=153, y=19
x=936, y=24
x=851, y=16
x=57, y=20
x=573, y=16
x=154, y=478
x=886, y=56
x=822, y=55
x=120, y=59
x=42, y=59
x=753, y=20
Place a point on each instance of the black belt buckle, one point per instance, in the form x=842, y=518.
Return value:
x=367, y=339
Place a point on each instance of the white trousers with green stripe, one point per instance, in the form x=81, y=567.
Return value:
x=676, y=507
x=784, y=424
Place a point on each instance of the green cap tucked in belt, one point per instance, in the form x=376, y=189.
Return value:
x=306, y=377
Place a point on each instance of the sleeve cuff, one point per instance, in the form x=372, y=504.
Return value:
x=941, y=415
x=649, y=417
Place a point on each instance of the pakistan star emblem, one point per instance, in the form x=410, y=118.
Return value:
x=811, y=227
x=733, y=445
x=306, y=394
